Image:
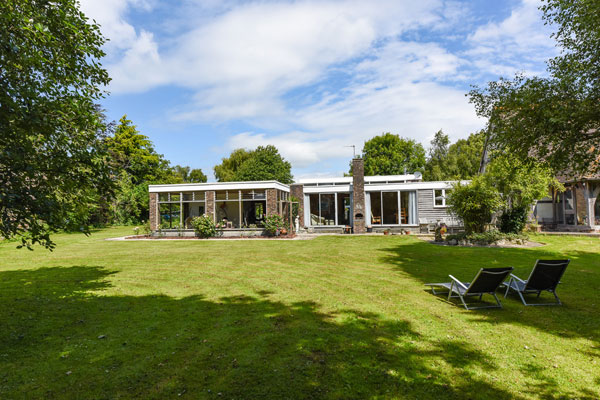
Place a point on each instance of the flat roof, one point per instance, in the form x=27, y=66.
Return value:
x=368, y=178
x=209, y=186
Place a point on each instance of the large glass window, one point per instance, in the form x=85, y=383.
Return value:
x=169, y=215
x=314, y=209
x=328, y=209
x=323, y=208
x=376, y=208
x=386, y=210
x=390, y=207
x=343, y=207
x=408, y=208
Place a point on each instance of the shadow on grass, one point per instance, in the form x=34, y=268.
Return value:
x=577, y=318
x=57, y=340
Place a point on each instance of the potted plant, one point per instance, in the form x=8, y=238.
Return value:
x=369, y=229
x=386, y=232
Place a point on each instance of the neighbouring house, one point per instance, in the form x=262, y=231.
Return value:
x=576, y=209
x=398, y=202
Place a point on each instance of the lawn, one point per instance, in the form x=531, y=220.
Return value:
x=333, y=317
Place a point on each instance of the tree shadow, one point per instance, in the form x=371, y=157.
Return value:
x=61, y=338
x=577, y=318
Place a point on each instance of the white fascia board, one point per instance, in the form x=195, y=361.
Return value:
x=411, y=186
x=386, y=178
x=328, y=189
x=345, y=179
x=192, y=187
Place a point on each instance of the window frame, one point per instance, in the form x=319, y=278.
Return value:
x=444, y=197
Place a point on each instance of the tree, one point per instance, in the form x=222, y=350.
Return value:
x=520, y=184
x=134, y=153
x=263, y=163
x=390, y=154
x=460, y=160
x=474, y=203
x=188, y=175
x=557, y=118
x=52, y=155
x=438, y=158
x=225, y=172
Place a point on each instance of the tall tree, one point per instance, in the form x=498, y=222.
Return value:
x=438, y=157
x=556, y=118
x=225, y=172
x=52, y=155
x=389, y=154
x=263, y=163
x=134, y=153
x=188, y=175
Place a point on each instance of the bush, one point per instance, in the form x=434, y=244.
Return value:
x=474, y=204
x=514, y=220
x=487, y=238
x=272, y=223
x=204, y=226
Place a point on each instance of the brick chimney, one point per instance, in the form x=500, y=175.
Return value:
x=358, y=195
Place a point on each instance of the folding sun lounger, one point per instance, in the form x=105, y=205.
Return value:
x=545, y=276
x=486, y=281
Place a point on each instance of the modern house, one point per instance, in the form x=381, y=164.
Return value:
x=576, y=209
x=398, y=202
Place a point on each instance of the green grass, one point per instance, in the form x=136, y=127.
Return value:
x=333, y=317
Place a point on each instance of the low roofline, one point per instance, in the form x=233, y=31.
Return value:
x=177, y=187
x=370, y=178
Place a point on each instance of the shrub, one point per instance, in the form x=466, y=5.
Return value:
x=486, y=238
x=514, y=220
x=272, y=223
x=474, y=203
x=204, y=226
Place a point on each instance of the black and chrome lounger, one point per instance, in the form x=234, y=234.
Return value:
x=545, y=276
x=486, y=281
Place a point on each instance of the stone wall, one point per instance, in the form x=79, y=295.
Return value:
x=297, y=191
x=358, y=195
x=153, y=207
x=210, y=204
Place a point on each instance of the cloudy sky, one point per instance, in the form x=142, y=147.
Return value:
x=201, y=78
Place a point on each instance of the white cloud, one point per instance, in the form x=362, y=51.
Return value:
x=518, y=43
x=241, y=60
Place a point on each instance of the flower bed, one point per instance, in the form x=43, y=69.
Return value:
x=490, y=238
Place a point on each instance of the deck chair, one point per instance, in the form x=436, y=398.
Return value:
x=486, y=281
x=545, y=276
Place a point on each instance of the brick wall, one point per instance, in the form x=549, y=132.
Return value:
x=153, y=207
x=271, y=202
x=358, y=195
x=210, y=204
x=297, y=191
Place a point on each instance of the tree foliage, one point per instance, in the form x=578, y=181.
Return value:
x=457, y=161
x=263, y=163
x=389, y=154
x=52, y=154
x=520, y=184
x=134, y=153
x=188, y=175
x=508, y=189
x=474, y=204
x=557, y=118
x=225, y=172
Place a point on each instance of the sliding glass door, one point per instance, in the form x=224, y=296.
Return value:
x=393, y=208
x=329, y=209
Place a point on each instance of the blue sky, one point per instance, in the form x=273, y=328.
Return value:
x=201, y=78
